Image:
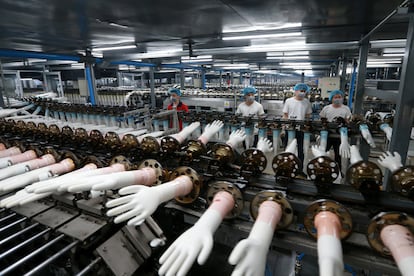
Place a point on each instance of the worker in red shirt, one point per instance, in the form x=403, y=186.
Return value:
x=177, y=104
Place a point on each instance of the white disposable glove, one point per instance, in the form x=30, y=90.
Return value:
x=390, y=161
x=366, y=134
x=344, y=146
x=142, y=201
x=236, y=137
x=318, y=152
x=276, y=138
x=185, y=132
x=63, y=183
x=196, y=242
x=355, y=155
x=324, y=140
x=20, y=198
x=210, y=130
x=249, y=131
x=264, y=145
x=387, y=130
x=116, y=180
x=249, y=255
x=291, y=135
x=292, y=147
x=19, y=181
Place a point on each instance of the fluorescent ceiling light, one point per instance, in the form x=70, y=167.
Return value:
x=393, y=50
x=161, y=53
x=118, y=25
x=230, y=64
x=384, y=62
x=262, y=28
x=78, y=65
x=112, y=48
x=267, y=72
x=262, y=36
x=290, y=57
x=296, y=63
x=393, y=55
x=197, y=57
x=197, y=60
x=292, y=53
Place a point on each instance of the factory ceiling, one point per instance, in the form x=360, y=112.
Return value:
x=266, y=34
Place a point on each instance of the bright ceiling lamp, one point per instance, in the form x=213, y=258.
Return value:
x=257, y=36
x=393, y=50
x=283, y=54
x=273, y=47
x=160, y=53
x=295, y=64
x=114, y=48
x=264, y=27
x=393, y=54
x=197, y=57
x=289, y=57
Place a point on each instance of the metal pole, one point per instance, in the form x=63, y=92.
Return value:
x=51, y=259
x=3, y=86
x=90, y=81
x=12, y=224
x=9, y=238
x=89, y=267
x=152, y=87
x=182, y=78
x=13, y=249
x=220, y=79
x=203, y=78
x=379, y=25
x=362, y=70
x=352, y=89
x=343, y=76
x=404, y=116
x=7, y=217
x=34, y=253
x=302, y=77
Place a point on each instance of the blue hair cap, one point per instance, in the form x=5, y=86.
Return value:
x=175, y=90
x=301, y=86
x=248, y=90
x=335, y=92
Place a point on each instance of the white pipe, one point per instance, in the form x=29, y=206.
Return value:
x=400, y=242
x=330, y=257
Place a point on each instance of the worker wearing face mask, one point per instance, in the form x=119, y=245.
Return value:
x=250, y=106
x=176, y=103
x=335, y=110
x=298, y=108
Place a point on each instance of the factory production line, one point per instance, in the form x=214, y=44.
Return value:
x=93, y=190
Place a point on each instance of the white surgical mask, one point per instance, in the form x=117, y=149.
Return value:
x=173, y=99
x=250, y=99
x=301, y=94
x=338, y=101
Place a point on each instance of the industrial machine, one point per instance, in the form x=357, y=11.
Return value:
x=70, y=179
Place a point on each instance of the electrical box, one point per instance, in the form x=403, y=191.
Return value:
x=327, y=85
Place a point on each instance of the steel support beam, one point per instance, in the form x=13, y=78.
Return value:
x=3, y=86
x=182, y=78
x=343, y=75
x=362, y=70
x=152, y=86
x=404, y=116
x=90, y=80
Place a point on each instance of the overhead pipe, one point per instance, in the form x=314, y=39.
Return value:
x=29, y=54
